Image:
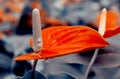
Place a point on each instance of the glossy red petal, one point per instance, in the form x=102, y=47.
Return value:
x=46, y=34
x=59, y=41
x=75, y=39
x=72, y=35
x=33, y=56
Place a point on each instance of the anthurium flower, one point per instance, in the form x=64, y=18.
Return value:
x=101, y=30
x=61, y=40
x=64, y=40
x=111, y=24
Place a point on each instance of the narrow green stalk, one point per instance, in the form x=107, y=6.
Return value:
x=91, y=63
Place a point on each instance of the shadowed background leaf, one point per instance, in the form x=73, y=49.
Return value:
x=60, y=76
x=5, y=61
x=28, y=75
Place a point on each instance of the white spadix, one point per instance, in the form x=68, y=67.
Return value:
x=102, y=23
x=37, y=34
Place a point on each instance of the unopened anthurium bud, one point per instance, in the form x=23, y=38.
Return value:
x=37, y=34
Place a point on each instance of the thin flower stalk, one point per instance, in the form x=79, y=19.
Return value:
x=37, y=36
x=101, y=30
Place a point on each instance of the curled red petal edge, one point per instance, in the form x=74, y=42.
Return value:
x=29, y=56
x=112, y=32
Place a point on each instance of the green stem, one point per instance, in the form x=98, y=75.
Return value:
x=91, y=63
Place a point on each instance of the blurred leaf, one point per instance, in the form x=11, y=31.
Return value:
x=29, y=75
x=8, y=76
x=108, y=56
x=5, y=61
x=60, y=76
x=107, y=73
x=22, y=67
x=58, y=68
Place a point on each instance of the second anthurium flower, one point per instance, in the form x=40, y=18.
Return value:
x=63, y=40
x=112, y=27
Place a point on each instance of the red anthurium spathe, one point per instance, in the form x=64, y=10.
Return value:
x=64, y=40
x=111, y=24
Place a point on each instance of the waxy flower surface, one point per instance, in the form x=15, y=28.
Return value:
x=64, y=40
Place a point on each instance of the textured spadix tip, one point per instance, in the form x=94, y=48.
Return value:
x=102, y=24
x=36, y=27
x=36, y=10
x=104, y=9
